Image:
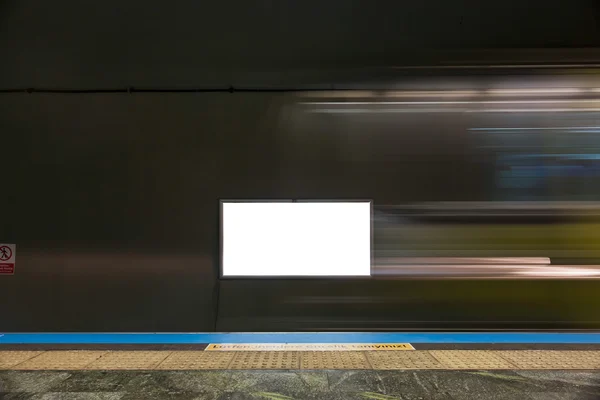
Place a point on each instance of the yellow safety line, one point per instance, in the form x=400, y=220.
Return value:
x=302, y=360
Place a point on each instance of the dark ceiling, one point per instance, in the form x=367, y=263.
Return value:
x=116, y=43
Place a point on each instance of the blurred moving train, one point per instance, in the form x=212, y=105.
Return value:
x=494, y=178
x=520, y=165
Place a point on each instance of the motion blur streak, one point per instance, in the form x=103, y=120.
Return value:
x=441, y=110
x=533, y=110
x=476, y=268
x=529, y=92
x=492, y=181
x=465, y=260
x=399, y=103
x=564, y=271
x=487, y=271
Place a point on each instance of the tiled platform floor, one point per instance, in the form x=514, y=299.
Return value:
x=301, y=360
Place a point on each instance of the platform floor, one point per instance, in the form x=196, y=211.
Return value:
x=300, y=366
x=286, y=385
x=300, y=360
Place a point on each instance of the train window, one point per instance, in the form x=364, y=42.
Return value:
x=543, y=157
x=295, y=239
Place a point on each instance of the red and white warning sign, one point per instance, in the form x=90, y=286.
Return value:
x=8, y=254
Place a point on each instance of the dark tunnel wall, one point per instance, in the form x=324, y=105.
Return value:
x=115, y=43
x=113, y=203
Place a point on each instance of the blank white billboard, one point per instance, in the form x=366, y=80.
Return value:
x=296, y=239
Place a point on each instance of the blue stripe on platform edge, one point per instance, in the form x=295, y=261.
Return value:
x=326, y=337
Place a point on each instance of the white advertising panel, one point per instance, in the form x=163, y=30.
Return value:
x=295, y=239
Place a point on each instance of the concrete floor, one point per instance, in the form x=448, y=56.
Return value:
x=286, y=385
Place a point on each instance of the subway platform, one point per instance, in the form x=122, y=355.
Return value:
x=301, y=366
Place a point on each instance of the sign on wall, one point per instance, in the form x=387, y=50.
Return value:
x=295, y=239
x=8, y=254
